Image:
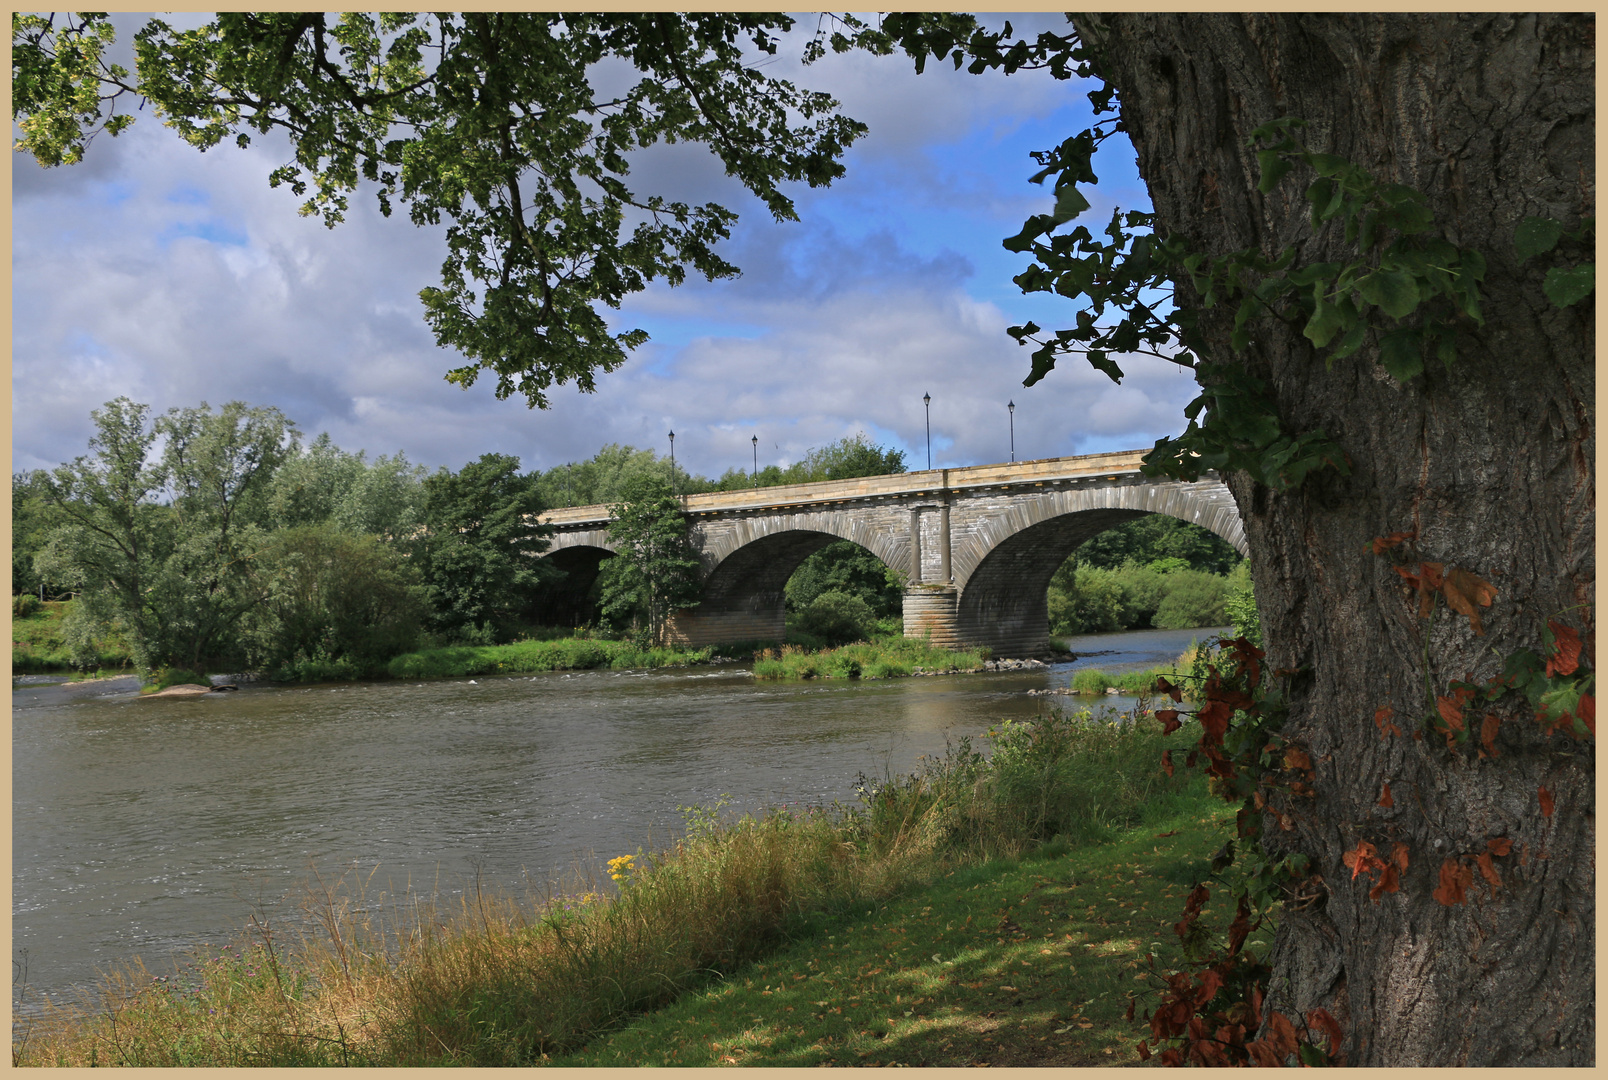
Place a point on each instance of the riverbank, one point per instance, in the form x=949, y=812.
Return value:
x=501, y=983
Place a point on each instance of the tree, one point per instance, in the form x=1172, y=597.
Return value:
x=515, y=127
x=481, y=549
x=655, y=571
x=1158, y=536
x=326, y=484
x=1381, y=304
x=337, y=598
x=168, y=547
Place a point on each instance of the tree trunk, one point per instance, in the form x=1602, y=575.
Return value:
x=1492, y=117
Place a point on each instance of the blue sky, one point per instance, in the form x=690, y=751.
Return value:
x=172, y=277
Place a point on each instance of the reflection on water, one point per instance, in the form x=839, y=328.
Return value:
x=142, y=826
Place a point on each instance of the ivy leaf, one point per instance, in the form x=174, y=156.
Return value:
x=1464, y=591
x=1069, y=203
x=1401, y=355
x=1326, y=321
x=1394, y=292
x=1455, y=878
x=1536, y=235
x=1274, y=166
x=1566, y=287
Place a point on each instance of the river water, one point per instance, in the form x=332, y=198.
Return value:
x=150, y=827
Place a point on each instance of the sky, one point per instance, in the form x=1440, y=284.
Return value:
x=172, y=277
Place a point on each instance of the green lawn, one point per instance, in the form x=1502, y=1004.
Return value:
x=1013, y=963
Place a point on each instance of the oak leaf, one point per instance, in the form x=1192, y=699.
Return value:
x=1466, y=593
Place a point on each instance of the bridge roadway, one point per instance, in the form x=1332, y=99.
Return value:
x=976, y=546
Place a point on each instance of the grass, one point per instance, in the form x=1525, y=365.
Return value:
x=1138, y=683
x=886, y=657
x=983, y=909
x=38, y=645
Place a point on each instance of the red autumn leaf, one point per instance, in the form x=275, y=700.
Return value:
x=1362, y=859
x=1129, y=1014
x=1586, y=709
x=1455, y=878
x=1382, y=544
x=1500, y=845
x=1488, y=728
x=1240, y=928
x=1433, y=574
x=1211, y=981
x=1144, y=1051
x=1546, y=802
x=1172, y=1059
x=1281, y=1035
x=1451, y=711
x=1263, y=1055
x=1295, y=758
x=1165, y=687
x=1389, y=881
x=1169, y=720
x=1385, y=800
x=1214, y=717
x=1488, y=870
x=1466, y=593
x=1320, y=1018
x=1167, y=762
x=1398, y=854
x=1382, y=719
x=1565, y=656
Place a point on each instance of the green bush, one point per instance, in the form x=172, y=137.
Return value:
x=837, y=618
x=24, y=605
x=1192, y=598
x=1240, y=607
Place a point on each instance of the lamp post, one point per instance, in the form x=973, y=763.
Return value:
x=926, y=399
x=672, y=463
x=755, y=441
x=1011, y=407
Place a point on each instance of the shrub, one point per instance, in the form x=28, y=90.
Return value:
x=163, y=678
x=1240, y=607
x=1193, y=598
x=24, y=605
x=838, y=618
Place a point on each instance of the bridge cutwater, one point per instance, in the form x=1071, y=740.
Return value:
x=977, y=546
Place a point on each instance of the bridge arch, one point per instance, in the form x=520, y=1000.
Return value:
x=571, y=601
x=1001, y=596
x=748, y=570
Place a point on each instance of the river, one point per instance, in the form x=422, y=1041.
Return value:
x=150, y=827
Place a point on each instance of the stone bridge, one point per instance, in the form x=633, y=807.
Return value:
x=977, y=546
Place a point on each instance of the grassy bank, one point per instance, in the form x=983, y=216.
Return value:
x=1139, y=683
x=976, y=905
x=883, y=658
x=39, y=644
x=560, y=654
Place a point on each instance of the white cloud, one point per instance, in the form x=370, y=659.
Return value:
x=169, y=276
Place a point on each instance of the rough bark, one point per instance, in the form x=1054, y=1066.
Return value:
x=1492, y=116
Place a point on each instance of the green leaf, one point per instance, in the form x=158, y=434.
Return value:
x=1327, y=164
x=1565, y=287
x=1326, y=321
x=1401, y=354
x=1391, y=291
x=1069, y=203
x=1536, y=235
x=1274, y=166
